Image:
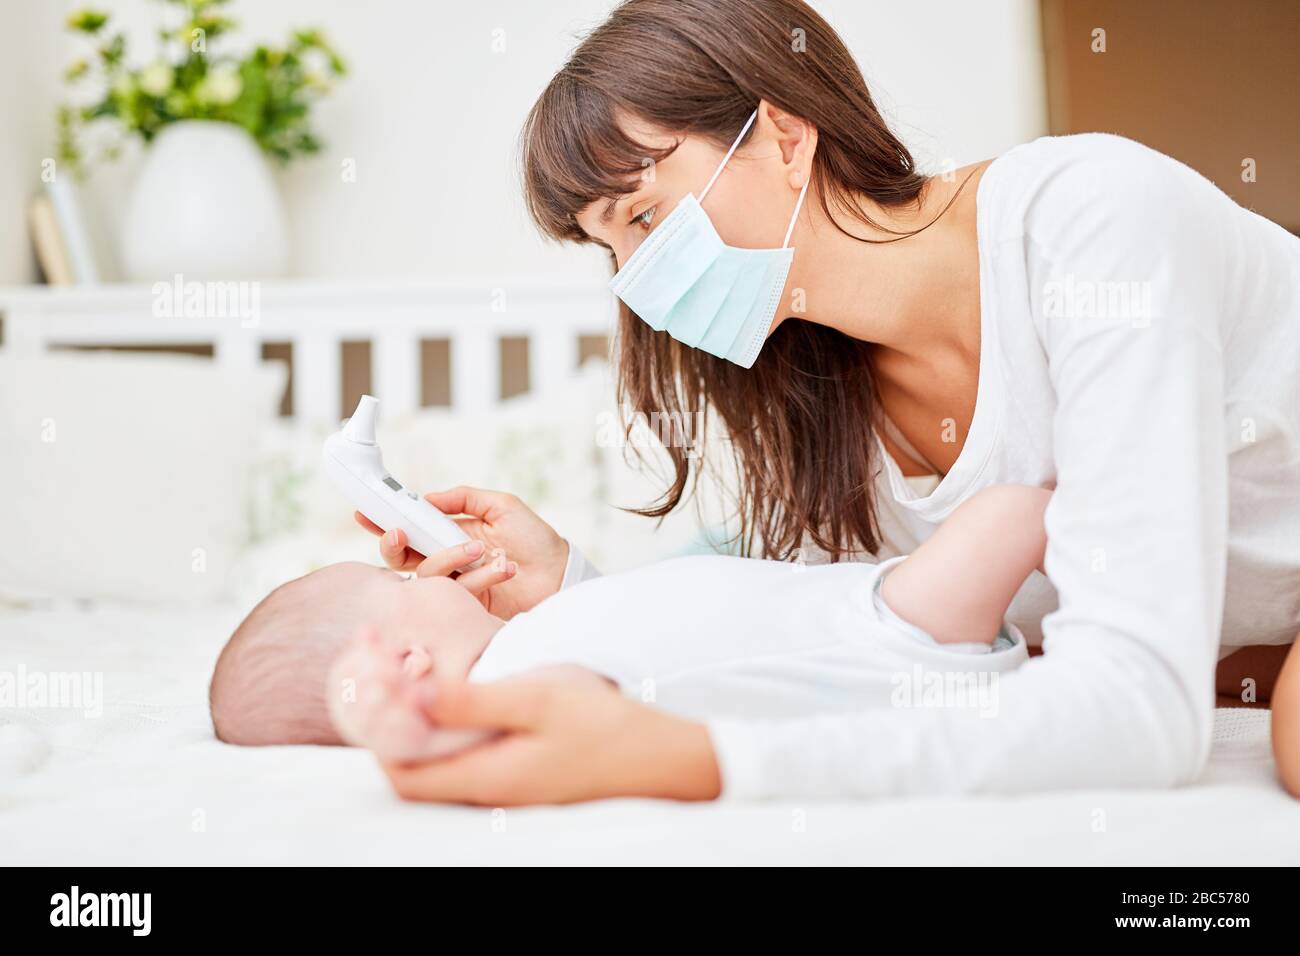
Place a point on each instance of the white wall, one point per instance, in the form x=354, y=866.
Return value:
x=959, y=81
x=28, y=44
x=430, y=114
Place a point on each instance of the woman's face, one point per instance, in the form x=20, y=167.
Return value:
x=749, y=205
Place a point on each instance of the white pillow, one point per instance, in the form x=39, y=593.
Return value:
x=126, y=476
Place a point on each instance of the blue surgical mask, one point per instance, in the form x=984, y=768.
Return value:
x=684, y=280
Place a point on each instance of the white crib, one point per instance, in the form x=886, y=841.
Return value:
x=314, y=324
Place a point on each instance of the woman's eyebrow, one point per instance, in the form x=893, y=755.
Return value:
x=608, y=212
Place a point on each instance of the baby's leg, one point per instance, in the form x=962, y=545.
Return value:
x=958, y=584
x=1286, y=721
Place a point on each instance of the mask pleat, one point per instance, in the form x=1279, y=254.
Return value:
x=693, y=318
x=749, y=340
x=745, y=307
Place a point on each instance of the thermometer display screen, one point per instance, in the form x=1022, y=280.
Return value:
x=392, y=482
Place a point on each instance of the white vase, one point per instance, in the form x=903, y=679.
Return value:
x=206, y=206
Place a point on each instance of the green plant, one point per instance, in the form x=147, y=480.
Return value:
x=267, y=91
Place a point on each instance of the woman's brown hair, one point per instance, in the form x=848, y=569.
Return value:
x=799, y=421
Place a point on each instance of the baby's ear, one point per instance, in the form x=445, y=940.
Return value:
x=417, y=663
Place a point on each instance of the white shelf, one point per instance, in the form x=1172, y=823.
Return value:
x=525, y=291
x=316, y=316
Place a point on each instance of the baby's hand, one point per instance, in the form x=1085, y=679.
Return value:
x=377, y=695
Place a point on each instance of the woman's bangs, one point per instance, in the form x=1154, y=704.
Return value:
x=575, y=152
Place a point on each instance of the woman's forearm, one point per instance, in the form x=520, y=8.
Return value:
x=1104, y=714
x=679, y=762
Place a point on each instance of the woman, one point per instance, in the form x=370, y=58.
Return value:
x=1081, y=314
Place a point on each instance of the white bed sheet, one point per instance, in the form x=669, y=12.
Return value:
x=131, y=786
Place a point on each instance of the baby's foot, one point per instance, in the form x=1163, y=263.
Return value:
x=377, y=696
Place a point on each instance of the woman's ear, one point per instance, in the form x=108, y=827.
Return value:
x=793, y=135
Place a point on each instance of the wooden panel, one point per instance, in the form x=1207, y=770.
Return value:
x=593, y=346
x=355, y=380
x=515, y=379
x=435, y=372
x=282, y=352
x=175, y=348
x=1207, y=82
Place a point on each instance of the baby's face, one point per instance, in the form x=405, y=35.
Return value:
x=427, y=624
x=417, y=612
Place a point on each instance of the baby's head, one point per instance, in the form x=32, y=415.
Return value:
x=271, y=679
x=269, y=683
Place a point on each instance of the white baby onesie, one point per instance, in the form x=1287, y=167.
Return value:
x=717, y=636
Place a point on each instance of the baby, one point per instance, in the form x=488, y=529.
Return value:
x=348, y=653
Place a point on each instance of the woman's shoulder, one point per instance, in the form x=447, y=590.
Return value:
x=1059, y=188
x=1082, y=147
x=1102, y=159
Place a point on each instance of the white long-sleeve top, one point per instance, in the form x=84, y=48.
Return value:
x=1140, y=353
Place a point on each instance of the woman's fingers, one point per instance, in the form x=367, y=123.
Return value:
x=393, y=549
x=368, y=524
x=392, y=545
x=400, y=556
x=442, y=563
x=509, y=705
x=501, y=771
x=473, y=776
x=480, y=579
x=479, y=502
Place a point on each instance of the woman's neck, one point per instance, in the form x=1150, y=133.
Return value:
x=918, y=296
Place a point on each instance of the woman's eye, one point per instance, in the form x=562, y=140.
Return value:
x=645, y=219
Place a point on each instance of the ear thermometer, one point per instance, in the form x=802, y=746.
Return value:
x=355, y=464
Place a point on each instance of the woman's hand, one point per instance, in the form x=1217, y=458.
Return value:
x=512, y=534
x=561, y=741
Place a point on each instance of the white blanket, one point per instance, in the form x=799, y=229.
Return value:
x=146, y=783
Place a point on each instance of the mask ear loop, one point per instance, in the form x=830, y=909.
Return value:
x=723, y=165
x=797, y=206
x=718, y=172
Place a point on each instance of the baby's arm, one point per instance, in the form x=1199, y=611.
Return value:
x=958, y=584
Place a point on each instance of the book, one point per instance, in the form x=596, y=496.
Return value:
x=47, y=238
x=72, y=227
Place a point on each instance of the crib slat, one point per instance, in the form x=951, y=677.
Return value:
x=475, y=369
x=552, y=356
x=237, y=349
x=317, y=367
x=396, y=372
